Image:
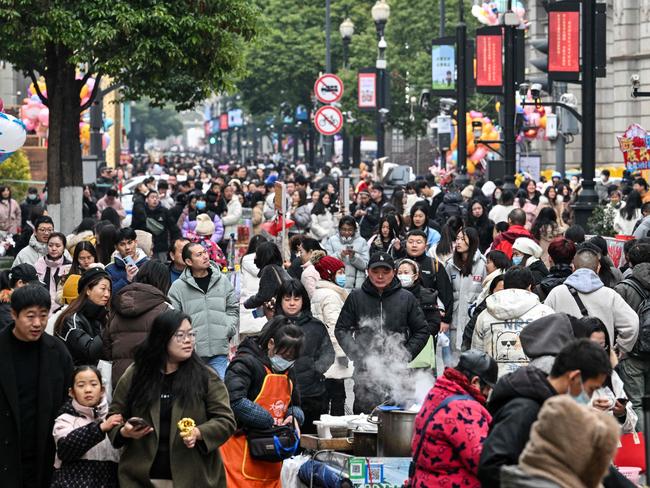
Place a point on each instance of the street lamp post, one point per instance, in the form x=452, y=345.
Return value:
x=346, y=30
x=380, y=13
x=461, y=118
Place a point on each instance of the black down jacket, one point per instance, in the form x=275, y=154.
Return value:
x=368, y=317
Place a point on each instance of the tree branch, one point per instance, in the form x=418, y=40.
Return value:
x=93, y=94
x=85, y=78
x=32, y=75
x=113, y=87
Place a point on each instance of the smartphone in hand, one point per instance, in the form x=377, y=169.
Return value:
x=138, y=423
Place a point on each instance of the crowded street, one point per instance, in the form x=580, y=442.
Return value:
x=248, y=245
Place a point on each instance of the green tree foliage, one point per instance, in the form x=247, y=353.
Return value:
x=156, y=122
x=601, y=221
x=16, y=167
x=167, y=50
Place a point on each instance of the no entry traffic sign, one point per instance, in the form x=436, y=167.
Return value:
x=328, y=120
x=328, y=88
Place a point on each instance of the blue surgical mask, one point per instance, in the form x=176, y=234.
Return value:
x=340, y=280
x=200, y=205
x=517, y=260
x=582, y=398
x=279, y=364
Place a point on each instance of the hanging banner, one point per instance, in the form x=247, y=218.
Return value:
x=489, y=60
x=634, y=144
x=367, y=89
x=564, y=41
x=223, y=122
x=443, y=66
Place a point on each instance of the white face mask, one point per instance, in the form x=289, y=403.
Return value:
x=406, y=280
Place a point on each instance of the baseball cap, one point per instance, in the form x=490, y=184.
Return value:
x=381, y=259
x=480, y=364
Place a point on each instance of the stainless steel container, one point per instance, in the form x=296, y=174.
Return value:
x=395, y=433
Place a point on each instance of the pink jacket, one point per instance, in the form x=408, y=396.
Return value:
x=9, y=216
x=50, y=273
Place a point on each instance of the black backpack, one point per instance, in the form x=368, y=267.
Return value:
x=642, y=345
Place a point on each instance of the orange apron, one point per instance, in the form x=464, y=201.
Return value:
x=242, y=471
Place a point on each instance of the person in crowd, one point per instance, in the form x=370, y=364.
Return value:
x=387, y=238
x=602, y=186
x=204, y=234
x=300, y=212
x=580, y=368
x=105, y=238
x=231, y=217
x=526, y=252
x=609, y=274
x=370, y=314
x=508, y=312
x=351, y=248
x=529, y=199
x=478, y=219
x=175, y=255
x=309, y=276
x=16, y=277
x=10, y=213
x=561, y=252
x=583, y=293
x=31, y=201
x=552, y=199
x=640, y=186
x=626, y=217
x=575, y=233
x=550, y=458
x=452, y=206
x=190, y=220
x=80, y=325
x=420, y=221
x=36, y=372
x=166, y=200
x=445, y=247
x=408, y=273
x=545, y=229
x=53, y=267
x=505, y=204
x=85, y=231
x=496, y=263
x=208, y=297
x=166, y=383
x=37, y=247
x=250, y=283
x=133, y=311
x=272, y=274
x=111, y=215
x=261, y=386
x=634, y=367
x=378, y=198
x=323, y=218
x=317, y=353
x=618, y=404
x=443, y=453
x=433, y=275
x=516, y=229
x=496, y=284
x=127, y=259
x=156, y=219
x=84, y=454
x=366, y=214
x=466, y=272
x=326, y=304
x=111, y=200
x=257, y=211
x=294, y=263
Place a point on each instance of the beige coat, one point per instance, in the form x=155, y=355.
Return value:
x=9, y=216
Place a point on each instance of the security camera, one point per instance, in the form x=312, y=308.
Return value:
x=569, y=99
x=536, y=90
x=523, y=89
x=636, y=81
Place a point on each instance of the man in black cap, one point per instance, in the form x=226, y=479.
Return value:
x=453, y=423
x=373, y=315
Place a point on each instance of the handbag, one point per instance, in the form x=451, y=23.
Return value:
x=631, y=451
x=272, y=445
x=155, y=227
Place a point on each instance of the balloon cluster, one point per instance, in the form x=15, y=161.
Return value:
x=488, y=12
x=534, y=119
x=12, y=134
x=476, y=152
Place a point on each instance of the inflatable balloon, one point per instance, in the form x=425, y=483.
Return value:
x=106, y=140
x=44, y=116
x=2, y=105
x=12, y=133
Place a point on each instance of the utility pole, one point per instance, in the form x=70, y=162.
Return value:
x=588, y=198
x=441, y=5
x=510, y=104
x=461, y=90
x=328, y=140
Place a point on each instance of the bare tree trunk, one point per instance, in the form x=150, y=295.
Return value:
x=64, y=169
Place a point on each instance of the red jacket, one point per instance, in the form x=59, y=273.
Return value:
x=454, y=437
x=504, y=241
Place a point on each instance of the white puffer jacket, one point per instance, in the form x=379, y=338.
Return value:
x=326, y=304
x=250, y=283
x=323, y=225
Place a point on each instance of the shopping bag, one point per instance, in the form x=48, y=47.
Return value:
x=631, y=451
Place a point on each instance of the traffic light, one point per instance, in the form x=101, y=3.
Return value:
x=541, y=63
x=213, y=140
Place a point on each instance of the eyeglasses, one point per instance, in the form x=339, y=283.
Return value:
x=181, y=336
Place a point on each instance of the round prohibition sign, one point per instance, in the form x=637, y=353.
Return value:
x=328, y=88
x=328, y=120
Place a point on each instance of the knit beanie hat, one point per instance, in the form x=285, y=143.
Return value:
x=204, y=225
x=70, y=288
x=527, y=246
x=327, y=266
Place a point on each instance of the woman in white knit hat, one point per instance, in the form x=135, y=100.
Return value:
x=526, y=252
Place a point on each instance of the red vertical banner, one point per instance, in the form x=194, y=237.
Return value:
x=564, y=41
x=489, y=60
x=223, y=122
x=367, y=89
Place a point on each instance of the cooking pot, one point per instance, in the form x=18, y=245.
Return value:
x=395, y=432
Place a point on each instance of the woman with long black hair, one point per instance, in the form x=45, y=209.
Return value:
x=261, y=385
x=323, y=217
x=387, y=238
x=169, y=383
x=477, y=218
x=627, y=216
